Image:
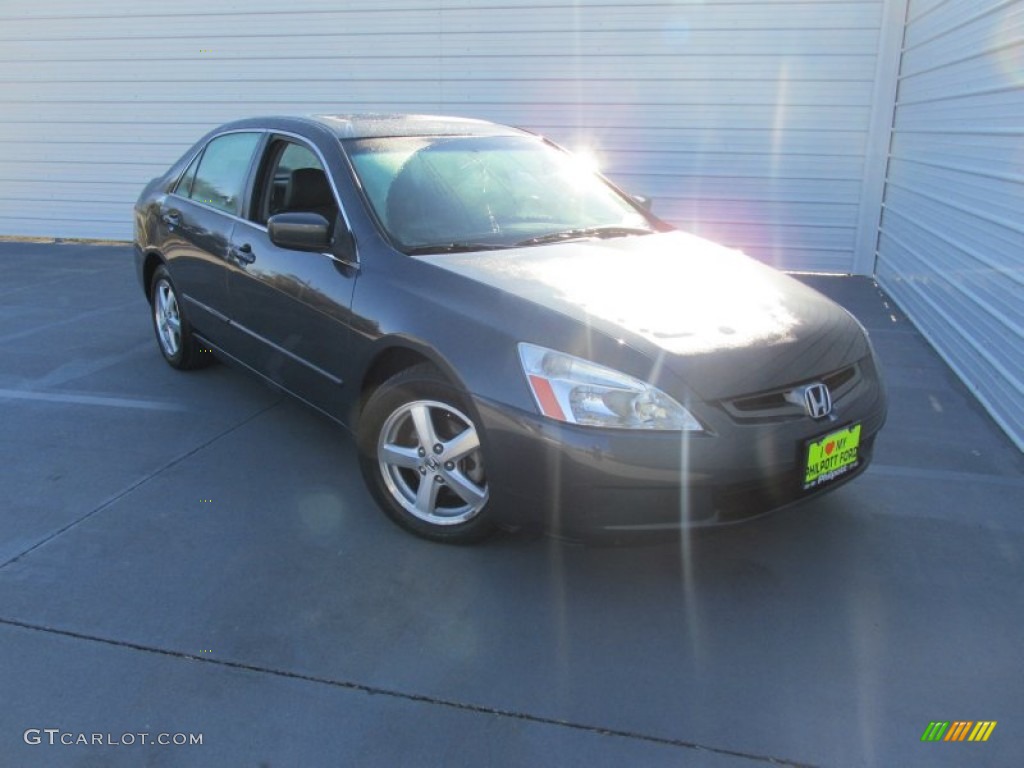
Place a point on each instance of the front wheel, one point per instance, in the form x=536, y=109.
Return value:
x=422, y=459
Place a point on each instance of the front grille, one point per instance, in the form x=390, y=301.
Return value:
x=773, y=406
x=836, y=381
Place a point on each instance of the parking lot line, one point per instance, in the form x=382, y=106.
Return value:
x=76, y=399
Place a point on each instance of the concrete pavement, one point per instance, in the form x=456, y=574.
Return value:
x=196, y=554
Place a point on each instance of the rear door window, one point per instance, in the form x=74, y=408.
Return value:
x=222, y=172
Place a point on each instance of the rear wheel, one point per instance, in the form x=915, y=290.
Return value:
x=422, y=460
x=173, y=332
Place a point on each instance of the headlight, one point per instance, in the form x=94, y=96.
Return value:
x=577, y=391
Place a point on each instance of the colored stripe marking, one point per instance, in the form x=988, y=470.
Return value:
x=983, y=730
x=959, y=730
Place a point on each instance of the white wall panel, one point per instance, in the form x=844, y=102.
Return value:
x=745, y=119
x=951, y=247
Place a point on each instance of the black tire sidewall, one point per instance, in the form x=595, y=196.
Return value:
x=419, y=383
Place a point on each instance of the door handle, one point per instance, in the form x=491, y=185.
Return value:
x=171, y=219
x=243, y=254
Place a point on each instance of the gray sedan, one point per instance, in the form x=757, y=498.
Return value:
x=511, y=338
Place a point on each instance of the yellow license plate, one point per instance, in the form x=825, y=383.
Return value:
x=832, y=456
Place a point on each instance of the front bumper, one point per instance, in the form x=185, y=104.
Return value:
x=580, y=481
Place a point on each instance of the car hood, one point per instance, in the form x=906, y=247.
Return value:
x=727, y=324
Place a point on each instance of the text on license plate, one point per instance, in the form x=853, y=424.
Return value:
x=832, y=456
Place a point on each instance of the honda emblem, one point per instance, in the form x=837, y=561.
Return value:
x=817, y=401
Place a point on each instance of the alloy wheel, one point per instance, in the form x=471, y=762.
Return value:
x=430, y=459
x=168, y=318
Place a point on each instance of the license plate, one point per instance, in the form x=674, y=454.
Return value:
x=832, y=456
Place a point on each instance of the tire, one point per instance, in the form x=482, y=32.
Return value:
x=421, y=458
x=174, y=336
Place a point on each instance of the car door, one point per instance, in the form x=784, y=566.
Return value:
x=197, y=219
x=293, y=306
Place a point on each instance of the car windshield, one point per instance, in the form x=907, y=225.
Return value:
x=454, y=193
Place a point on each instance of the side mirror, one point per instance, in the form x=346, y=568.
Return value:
x=643, y=202
x=300, y=231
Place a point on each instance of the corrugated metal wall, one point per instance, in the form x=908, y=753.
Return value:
x=951, y=248
x=746, y=120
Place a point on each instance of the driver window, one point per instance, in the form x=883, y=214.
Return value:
x=297, y=182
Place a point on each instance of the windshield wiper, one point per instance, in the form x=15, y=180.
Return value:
x=583, y=232
x=420, y=250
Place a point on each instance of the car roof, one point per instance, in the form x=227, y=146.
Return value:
x=370, y=125
x=380, y=125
